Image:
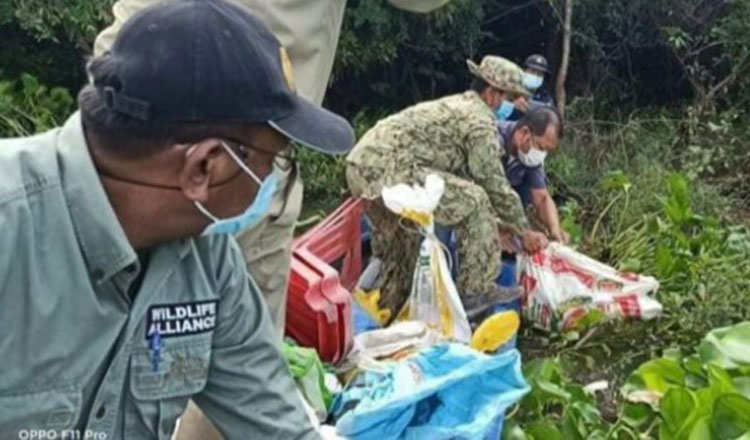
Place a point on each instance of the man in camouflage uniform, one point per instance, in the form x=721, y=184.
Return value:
x=456, y=138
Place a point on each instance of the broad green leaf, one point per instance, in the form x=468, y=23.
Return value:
x=701, y=430
x=571, y=428
x=543, y=429
x=677, y=408
x=637, y=414
x=661, y=374
x=720, y=380
x=578, y=394
x=553, y=391
x=693, y=365
x=623, y=432
x=633, y=383
x=706, y=398
x=543, y=369
x=728, y=347
x=596, y=434
x=587, y=412
x=742, y=384
x=731, y=416
x=511, y=431
x=694, y=381
x=665, y=433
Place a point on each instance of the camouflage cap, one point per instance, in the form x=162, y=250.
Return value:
x=500, y=73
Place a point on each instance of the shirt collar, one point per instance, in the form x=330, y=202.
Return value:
x=102, y=239
x=506, y=129
x=472, y=94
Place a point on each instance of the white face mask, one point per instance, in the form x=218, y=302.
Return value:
x=532, y=81
x=534, y=158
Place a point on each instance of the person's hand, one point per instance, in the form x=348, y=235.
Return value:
x=560, y=236
x=533, y=241
x=521, y=104
x=506, y=243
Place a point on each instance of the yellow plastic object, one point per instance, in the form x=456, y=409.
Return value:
x=420, y=218
x=495, y=331
x=369, y=303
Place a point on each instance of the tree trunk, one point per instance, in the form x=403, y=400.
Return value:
x=562, y=74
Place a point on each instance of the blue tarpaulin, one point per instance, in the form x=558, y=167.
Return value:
x=448, y=391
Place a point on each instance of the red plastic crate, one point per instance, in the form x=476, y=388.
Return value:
x=311, y=319
x=336, y=294
x=337, y=241
x=319, y=301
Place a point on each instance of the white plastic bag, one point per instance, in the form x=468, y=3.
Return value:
x=385, y=342
x=434, y=299
x=561, y=286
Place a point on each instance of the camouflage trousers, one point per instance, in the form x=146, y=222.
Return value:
x=465, y=207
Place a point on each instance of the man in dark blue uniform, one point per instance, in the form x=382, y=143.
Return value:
x=536, y=68
x=527, y=143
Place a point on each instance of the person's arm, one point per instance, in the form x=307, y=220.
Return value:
x=548, y=214
x=521, y=105
x=484, y=165
x=536, y=179
x=249, y=392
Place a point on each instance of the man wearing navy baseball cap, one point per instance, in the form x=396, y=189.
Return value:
x=124, y=294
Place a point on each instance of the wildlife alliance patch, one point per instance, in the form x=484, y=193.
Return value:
x=181, y=319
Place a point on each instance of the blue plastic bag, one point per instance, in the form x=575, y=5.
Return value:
x=362, y=321
x=448, y=391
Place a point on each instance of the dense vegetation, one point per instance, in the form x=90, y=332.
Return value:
x=652, y=176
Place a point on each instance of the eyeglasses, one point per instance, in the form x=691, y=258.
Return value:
x=287, y=158
x=285, y=161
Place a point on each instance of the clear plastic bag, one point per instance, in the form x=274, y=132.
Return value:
x=433, y=299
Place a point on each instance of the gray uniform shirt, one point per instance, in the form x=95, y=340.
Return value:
x=80, y=354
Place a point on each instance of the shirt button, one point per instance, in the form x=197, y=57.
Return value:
x=98, y=274
x=100, y=412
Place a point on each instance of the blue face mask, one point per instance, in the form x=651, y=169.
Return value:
x=504, y=111
x=254, y=213
x=532, y=81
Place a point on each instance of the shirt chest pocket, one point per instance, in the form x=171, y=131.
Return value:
x=161, y=388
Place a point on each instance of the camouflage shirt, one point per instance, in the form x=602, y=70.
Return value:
x=455, y=134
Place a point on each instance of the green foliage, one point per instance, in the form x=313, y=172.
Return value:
x=670, y=398
x=727, y=347
x=28, y=107
x=50, y=39
x=391, y=58
x=694, y=397
x=701, y=263
x=323, y=177
x=556, y=408
x=77, y=21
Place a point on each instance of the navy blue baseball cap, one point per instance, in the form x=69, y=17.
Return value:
x=213, y=61
x=537, y=62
